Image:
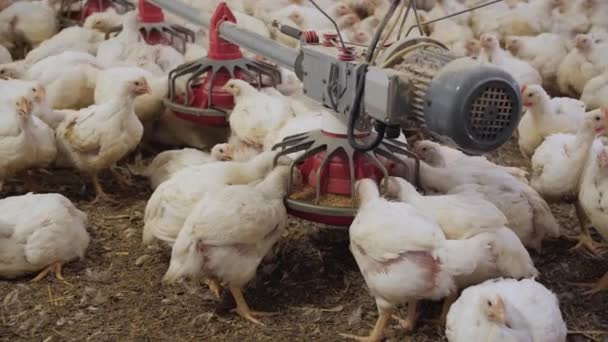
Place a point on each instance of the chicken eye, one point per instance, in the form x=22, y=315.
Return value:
x=597, y=118
x=424, y=149
x=221, y=150
x=137, y=83
x=489, y=303
x=530, y=95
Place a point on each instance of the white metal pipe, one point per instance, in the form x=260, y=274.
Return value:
x=246, y=39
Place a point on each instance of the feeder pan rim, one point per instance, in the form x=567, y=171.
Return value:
x=310, y=208
x=213, y=112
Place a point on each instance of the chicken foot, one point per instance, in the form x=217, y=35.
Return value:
x=410, y=321
x=242, y=309
x=584, y=238
x=600, y=285
x=378, y=331
x=100, y=194
x=215, y=287
x=55, y=267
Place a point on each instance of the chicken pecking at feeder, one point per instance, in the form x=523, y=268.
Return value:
x=74, y=12
x=475, y=107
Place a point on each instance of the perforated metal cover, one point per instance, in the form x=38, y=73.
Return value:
x=491, y=112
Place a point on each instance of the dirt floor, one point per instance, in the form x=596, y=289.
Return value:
x=313, y=286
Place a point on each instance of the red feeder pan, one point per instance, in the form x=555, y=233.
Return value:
x=207, y=103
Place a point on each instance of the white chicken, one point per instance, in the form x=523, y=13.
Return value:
x=527, y=213
x=40, y=233
x=30, y=22
x=234, y=150
x=549, y=176
x=116, y=49
x=73, y=38
x=173, y=200
x=544, y=52
x=439, y=155
x=104, y=21
x=546, y=116
x=409, y=258
x=595, y=92
x=96, y=137
x=506, y=310
x=255, y=113
x=527, y=18
x=167, y=163
x=459, y=215
x=580, y=65
x=521, y=71
x=226, y=247
x=593, y=187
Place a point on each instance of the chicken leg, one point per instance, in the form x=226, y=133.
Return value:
x=215, y=287
x=55, y=267
x=447, y=303
x=378, y=331
x=600, y=285
x=410, y=321
x=584, y=238
x=124, y=181
x=242, y=309
x=100, y=194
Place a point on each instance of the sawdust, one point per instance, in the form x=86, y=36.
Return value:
x=312, y=284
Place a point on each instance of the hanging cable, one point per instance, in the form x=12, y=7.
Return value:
x=332, y=21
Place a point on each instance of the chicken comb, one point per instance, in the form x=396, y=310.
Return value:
x=523, y=88
x=605, y=111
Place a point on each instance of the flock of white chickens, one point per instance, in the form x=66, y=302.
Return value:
x=78, y=100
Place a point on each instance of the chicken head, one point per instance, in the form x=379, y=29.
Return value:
x=139, y=87
x=24, y=107
x=428, y=151
x=342, y=8
x=493, y=307
x=583, y=42
x=489, y=41
x=513, y=44
x=348, y=20
x=472, y=48
x=531, y=94
x=596, y=120
x=222, y=152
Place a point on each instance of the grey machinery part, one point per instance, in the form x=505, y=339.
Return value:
x=474, y=106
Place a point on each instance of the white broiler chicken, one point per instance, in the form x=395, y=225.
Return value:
x=69, y=79
x=452, y=34
x=521, y=71
x=234, y=150
x=527, y=212
x=527, y=18
x=556, y=182
x=225, y=246
x=73, y=38
x=544, y=52
x=173, y=200
x=459, y=215
x=167, y=163
x=506, y=310
x=407, y=260
x=545, y=116
x=36, y=93
x=569, y=22
x=148, y=107
x=104, y=21
x=581, y=65
x=41, y=233
x=594, y=186
x=595, y=92
x=15, y=119
x=549, y=176
x=30, y=22
x=96, y=137
x=255, y=114
x=116, y=49
x=439, y=155
x=33, y=141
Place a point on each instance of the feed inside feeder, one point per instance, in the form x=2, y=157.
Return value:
x=74, y=12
